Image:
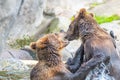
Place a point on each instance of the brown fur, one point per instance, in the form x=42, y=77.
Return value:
x=98, y=44
x=50, y=65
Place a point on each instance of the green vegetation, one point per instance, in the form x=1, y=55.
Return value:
x=5, y=75
x=19, y=43
x=52, y=27
x=105, y=19
x=72, y=18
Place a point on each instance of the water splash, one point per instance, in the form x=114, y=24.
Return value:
x=101, y=72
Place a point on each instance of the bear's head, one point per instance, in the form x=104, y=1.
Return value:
x=50, y=43
x=82, y=25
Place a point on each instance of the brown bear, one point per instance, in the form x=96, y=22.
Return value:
x=97, y=44
x=50, y=65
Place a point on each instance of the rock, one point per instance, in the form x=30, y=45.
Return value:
x=112, y=26
x=13, y=69
x=29, y=17
x=17, y=65
x=57, y=24
x=54, y=7
x=108, y=8
x=52, y=27
x=18, y=54
x=29, y=62
x=43, y=26
x=19, y=18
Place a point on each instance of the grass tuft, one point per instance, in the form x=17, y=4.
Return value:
x=105, y=19
x=19, y=43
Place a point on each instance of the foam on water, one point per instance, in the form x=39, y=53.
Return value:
x=101, y=72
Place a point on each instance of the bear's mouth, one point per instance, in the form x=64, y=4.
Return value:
x=66, y=42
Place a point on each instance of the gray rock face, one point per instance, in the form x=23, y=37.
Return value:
x=57, y=24
x=17, y=54
x=16, y=65
x=61, y=7
x=19, y=18
x=109, y=8
x=114, y=26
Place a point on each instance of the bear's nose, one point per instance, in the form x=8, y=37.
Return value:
x=66, y=37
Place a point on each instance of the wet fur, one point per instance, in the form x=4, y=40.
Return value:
x=97, y=44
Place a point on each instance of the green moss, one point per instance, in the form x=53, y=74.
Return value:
x=2, y=73
x=5, y=74
x=72, y=18
x=13, y=75
x=105, y=19
x=19, y=43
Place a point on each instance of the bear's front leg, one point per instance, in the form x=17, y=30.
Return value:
x=75, y=63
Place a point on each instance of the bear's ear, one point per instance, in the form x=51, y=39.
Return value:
x=33, y=45
x=91, y=14
x=82, y=13
x=42, y=42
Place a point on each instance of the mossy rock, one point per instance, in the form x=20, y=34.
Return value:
x=19, y=43
x=52, y=27
x=57, y=24
x=6, y=75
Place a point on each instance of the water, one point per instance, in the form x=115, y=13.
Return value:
x=101, y=72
